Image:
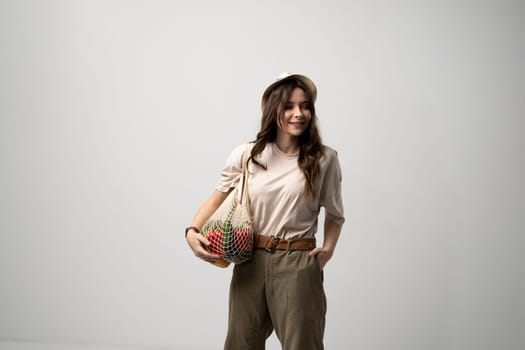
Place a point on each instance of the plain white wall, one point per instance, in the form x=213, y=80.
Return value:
x=116, y=117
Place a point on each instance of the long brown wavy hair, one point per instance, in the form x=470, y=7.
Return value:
x=310, y=146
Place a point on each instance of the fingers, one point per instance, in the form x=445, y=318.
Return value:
x=206, y=256
x=322, y=256
x=314, y=252
x=198, y=244
x=196, y=240
x=202, y=239
x=200, y=251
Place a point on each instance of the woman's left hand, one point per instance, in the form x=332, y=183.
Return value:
x=323, y=255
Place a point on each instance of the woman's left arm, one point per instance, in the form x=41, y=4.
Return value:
x=332, y=230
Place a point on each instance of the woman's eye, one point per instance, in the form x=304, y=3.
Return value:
x=288, y=106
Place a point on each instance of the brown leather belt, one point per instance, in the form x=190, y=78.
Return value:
x=271, y=243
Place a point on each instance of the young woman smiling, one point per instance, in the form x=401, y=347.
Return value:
x=291, y=176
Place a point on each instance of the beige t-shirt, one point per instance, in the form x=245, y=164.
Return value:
x=278, y=201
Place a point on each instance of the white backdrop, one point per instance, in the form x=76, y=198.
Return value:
x=116, y=118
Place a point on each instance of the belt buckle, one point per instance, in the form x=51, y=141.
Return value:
x=272, y=244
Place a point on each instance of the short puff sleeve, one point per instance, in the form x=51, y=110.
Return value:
x=330, y=196
x=231, y=172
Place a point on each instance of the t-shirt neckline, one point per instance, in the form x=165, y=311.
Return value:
x=286, y=155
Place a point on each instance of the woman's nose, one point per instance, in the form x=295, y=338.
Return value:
x=297, y=111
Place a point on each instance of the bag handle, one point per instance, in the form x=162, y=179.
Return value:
x=244, y=178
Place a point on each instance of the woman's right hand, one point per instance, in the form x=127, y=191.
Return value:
x=198, y=244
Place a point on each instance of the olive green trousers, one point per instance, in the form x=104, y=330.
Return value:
x=282, y=291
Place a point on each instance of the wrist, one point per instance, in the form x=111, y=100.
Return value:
x=329, y=250
x=191, y=228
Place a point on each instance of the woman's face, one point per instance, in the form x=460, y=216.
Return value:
x=296, y=116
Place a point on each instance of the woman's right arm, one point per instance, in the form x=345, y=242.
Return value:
x=196, y=241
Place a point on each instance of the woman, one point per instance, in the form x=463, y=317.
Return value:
x=291, y=175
